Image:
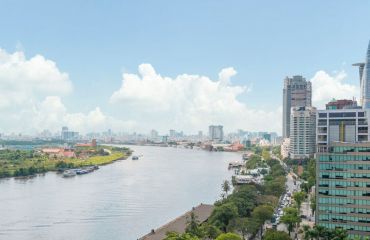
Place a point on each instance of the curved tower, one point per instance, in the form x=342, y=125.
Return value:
x=366, y=81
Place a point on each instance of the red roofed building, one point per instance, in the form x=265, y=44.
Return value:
x=58, y=152
x=92, y=144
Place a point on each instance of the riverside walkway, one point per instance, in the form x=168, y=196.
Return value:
x=202, y=213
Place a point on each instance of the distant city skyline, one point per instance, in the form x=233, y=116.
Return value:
x=124, y=67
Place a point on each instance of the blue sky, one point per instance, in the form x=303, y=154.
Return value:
x=96, y=41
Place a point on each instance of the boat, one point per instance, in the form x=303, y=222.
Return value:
x=135, y=158
x=236, y=164
x=81, y=171
x=85, y=170
x=69, y=173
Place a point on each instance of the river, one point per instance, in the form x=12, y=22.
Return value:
x=123, y=200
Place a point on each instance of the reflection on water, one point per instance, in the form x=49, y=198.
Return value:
x=123, y=200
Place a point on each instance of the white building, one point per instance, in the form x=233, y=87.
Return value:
x=302, y=132
x=341, y=125
x=285, y=148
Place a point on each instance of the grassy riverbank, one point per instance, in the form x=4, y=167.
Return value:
x=15, y=163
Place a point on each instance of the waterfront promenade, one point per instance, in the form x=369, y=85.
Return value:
x=201, y=212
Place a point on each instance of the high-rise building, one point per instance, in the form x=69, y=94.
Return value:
x=302, y=132
x=297, y=92
x=341, y=125
x=200, y=135
x=364, y=71
x=67, y=135
x=153, y=135
x=216, y=133
x=343, y=188
x=343, y=162
x=172, y=133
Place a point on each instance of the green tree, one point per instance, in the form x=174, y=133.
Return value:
x=266, y=154
x=262, y=213
x=298, y=198
x=226, y=187
x=241, y=226
x=275, y=235
x=223, y=214
x=313, y=203
x=274, y=185
x=193, y=226
x=229, y=236
x=322, y=233
x=210, y=231
x=177, y=236
x=290, y=218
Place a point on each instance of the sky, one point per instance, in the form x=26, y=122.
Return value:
x=141, y=65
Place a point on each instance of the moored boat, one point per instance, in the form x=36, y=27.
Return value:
x=69, y=173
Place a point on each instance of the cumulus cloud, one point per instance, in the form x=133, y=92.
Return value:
x=189, y=102
x=30, y=98
x=52, y=114
x=22, y=79
x=326, y=87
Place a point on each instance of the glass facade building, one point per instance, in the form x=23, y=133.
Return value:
x=364, y=71
x=343, y=188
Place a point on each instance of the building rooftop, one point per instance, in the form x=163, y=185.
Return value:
x=202, y=212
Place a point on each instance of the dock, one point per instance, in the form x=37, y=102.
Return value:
x=202, y=213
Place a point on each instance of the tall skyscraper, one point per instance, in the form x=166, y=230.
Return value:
x=297, y=92
x=364, y=71
x=302, y=132
x=216, y=133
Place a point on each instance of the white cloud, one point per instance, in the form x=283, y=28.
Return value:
x=22, y=79
x=326, y=87
x=52, y=114
x=189, y=102
x=30, y=98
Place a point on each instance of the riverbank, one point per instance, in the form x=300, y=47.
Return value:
x=23, y=163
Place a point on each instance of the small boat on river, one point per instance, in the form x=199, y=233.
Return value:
x=69, y=173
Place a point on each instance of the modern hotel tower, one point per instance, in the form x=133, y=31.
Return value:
x=343, y=163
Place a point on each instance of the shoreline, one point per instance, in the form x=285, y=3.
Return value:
x=77, y=163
